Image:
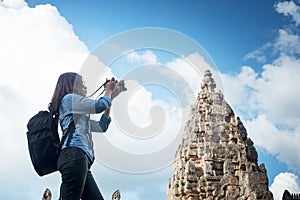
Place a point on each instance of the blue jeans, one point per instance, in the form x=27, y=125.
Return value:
x=77, y=179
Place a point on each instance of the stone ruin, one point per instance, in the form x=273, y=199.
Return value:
x=216, y=160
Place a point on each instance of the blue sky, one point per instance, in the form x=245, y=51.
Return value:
x=226, y=29
x=254, y=44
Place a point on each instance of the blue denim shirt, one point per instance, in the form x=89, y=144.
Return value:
x=77, y=108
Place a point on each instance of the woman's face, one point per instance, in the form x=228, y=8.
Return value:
x=81, y=88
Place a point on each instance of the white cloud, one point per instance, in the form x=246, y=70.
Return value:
x=38, y=44
x=258, y=54
x=289, y=8
x=148, y=57
x=277, y=91
x=287, y=43
x=284, y=181
x=192, y=68
x=133, y=195
x=282, y=143
x=146, y=186
x=14, y=4
x=138, y=111
x=238, y=90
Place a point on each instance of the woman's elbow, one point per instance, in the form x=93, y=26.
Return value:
x=104, y=127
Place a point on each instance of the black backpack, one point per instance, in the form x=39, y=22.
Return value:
x=43, y=141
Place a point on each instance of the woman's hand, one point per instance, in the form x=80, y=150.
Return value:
x=115, y=92
x=110, y=86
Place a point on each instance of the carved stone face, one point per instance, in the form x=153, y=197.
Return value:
x=232, y=192
x=232, y=154
x=219, y=152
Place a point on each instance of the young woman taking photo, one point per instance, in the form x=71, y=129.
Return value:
x=77, y=155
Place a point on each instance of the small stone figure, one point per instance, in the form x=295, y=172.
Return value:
x=47, y=195
x=251, y=151
x=116, y=195
x=242, y=130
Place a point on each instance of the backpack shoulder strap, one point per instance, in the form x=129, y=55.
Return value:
x=68, y=134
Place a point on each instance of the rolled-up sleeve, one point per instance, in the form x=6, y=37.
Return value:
x=103, y=100
x=100, y=126
x=82, y=104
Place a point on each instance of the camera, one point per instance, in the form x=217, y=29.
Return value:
x=121, y=85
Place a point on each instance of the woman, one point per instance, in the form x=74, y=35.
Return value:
x=77, y=154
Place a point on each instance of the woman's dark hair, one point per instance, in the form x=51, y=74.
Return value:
x=67, y=83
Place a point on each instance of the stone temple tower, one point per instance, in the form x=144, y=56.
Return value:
x=216, y=160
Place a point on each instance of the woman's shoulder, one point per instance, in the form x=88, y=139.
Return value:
x=71, y=97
